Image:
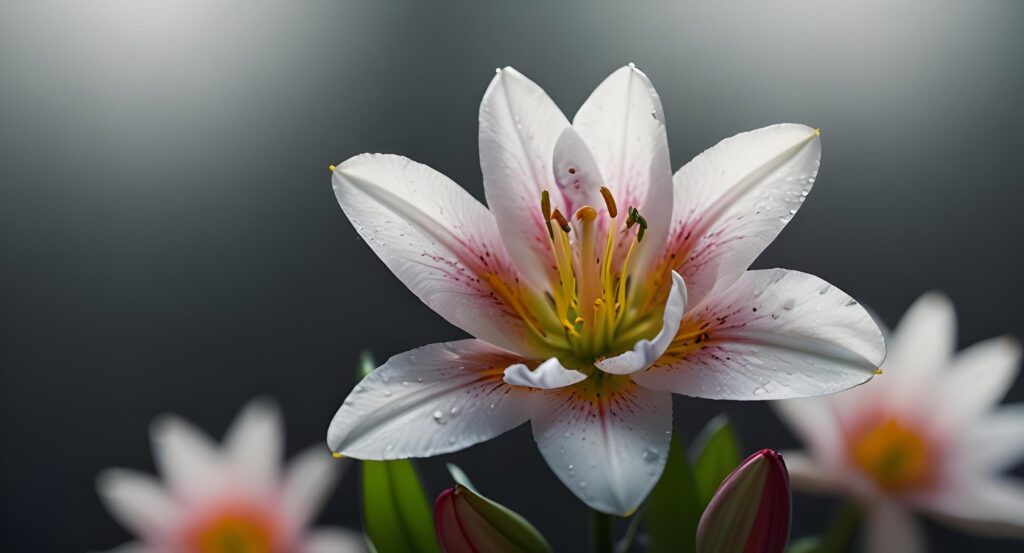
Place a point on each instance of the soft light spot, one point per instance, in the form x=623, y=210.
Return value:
x=896, y=456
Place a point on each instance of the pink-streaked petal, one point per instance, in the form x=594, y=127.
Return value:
x=190, y=463
x=334, y=540
x=309, y=481
x=775, y=334
x=255, y=445
x=576, y=173
x=994, y=443
x=606, y=442
x=979, y=377
x=889, y=528
x=431, y=400
x=733, y=200
x=623, y=123
x=437, y=239
x=646, y=352
x=549, y=375
x=923, y=342
x=519, y=125
x=137, y=501
x=986, y=506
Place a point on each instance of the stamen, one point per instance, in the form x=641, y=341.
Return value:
x=636, y=218
x=545, y=205
x=609, y=201
x=560, y=219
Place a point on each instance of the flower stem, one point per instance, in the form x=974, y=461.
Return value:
x=601, y=540
x=841, y=531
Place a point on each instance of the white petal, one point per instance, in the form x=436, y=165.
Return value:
x=431, y=400
x=549, y=375
x=733, y=200
x=996, y=442
x=519, y=125
x=309, y=480
x=623, y=123
x=189, y=461
x=137, y=501
x=890, y=528
x=807, y=474
x=923, y=342
x=607, y=444
x=775, y=334
x=646, y=352
x=980, y=376
x=576, y=173
x=255, y=444
x=437, y=239
x=334, y=540
x=814, y=423
x=992, y=507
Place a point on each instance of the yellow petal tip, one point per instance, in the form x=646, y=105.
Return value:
x=335, y=454
x=331, y=167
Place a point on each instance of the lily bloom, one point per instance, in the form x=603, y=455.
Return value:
x=927, y=438
x=230, y=499
x=595, y=286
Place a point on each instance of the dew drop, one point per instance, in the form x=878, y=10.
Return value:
x=789, y=304
x=649, y=455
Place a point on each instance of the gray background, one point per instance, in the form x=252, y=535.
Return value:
x=170, y=240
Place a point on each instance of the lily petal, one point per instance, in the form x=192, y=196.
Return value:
x=334, y=540
x=733, y=200
x=576, y=172
x=646, y=352
x=990, y=506
x=519, y=125
x=890, y=527
x=254, y=444
x=923, y=342
x=438, y=240
x=137, y=501
x=431, y=400
x=814, y=422
x=808, y=475
x=549, y=375
x=995, y=443
x=980, y=376
x=623, y=123
x=775, y=334
x=309, y=481
x=189, y=461
x=607, y=442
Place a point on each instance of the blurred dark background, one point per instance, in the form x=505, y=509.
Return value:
x=170, y=240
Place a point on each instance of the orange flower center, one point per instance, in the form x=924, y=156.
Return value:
x=235, y=531
x=895, y=456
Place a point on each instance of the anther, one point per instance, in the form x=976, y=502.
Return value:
x=609, y=201
x=545, y=205
x=636, y=218
x=557, y=217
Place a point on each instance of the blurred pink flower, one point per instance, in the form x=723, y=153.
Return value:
x=229, y=499
x=927, y=436
x=596, y=285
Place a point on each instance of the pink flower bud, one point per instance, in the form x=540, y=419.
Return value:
x=467, y=522
x=750, y=512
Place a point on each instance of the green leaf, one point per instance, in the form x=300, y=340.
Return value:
x=716, y=453
x=674, y=506
x=512, y=529
x=809, y=544
x=396, y=514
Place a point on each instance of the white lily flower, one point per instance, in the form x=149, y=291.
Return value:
x=927, y=437
x=595, y=285
x=231, y=499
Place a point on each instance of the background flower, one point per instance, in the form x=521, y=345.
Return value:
x=229, y=499
x=926, y=437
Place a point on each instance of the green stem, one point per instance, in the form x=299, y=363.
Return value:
x=601, y=540
x=840, y=532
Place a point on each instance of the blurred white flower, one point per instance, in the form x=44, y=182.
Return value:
x=231, y=499
x=596, y=284
x=927, y=436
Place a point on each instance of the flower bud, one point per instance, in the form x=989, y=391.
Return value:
x=750, y=512
x=467, y=522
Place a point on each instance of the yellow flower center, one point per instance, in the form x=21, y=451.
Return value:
x=235, y=531
x=895, y=456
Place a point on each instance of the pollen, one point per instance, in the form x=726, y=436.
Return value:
x=895, y=455
x=331, y=167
